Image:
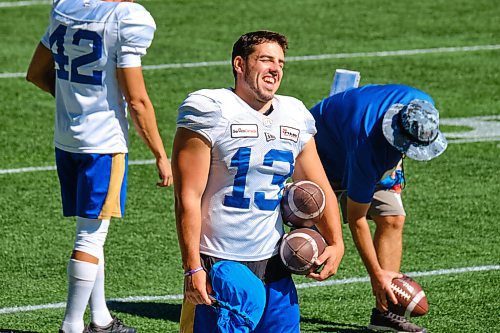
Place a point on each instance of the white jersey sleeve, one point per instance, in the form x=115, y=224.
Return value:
x=309, y=125
x=136, y=35
x=45, y=39
x=203, y=115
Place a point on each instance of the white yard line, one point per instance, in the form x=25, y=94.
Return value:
x=473, y=48
x=7, y=4
x=483, y=129
x=17, y=309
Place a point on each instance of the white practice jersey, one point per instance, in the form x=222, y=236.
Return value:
x=252, y=156
x=89, y=39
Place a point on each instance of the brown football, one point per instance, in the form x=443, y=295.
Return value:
x=300, y=248
x=302, y=204
x=412, y=301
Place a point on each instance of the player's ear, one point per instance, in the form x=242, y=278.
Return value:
x=238, y=64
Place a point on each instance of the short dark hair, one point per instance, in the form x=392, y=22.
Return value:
x=244, y=46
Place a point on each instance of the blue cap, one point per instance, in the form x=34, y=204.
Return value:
x=240, y=296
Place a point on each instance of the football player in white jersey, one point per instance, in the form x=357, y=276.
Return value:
x=233, y=151
x=90, y=60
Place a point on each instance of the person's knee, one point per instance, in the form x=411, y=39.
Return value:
x=392, y=222
x=90, y=237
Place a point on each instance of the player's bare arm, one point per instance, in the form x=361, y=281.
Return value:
x=308, y=167
x=190, y=166
x=380, y=278
x=143, y=116
x=41, y=70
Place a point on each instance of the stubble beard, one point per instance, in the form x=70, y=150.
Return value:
x=261, y=96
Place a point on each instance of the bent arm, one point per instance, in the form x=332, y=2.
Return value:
x=190, y=166
x=41, y=70
x=143, y=116
x=308, y=167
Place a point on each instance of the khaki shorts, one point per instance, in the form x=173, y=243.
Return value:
x=385, y=202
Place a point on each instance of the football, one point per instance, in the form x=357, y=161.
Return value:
x=412, y=301
x=302, y=204
x=300, y=248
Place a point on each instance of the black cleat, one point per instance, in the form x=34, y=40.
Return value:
x=388, y=321
x=115, y=326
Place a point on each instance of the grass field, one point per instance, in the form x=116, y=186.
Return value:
x=452, y=229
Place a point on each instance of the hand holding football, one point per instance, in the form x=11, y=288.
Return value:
x=411, y=298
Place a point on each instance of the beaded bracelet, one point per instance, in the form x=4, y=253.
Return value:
x=194, y=270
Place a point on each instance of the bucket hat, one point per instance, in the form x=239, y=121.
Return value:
x=413, y=129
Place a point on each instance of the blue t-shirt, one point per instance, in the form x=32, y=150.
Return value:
x=350, y=142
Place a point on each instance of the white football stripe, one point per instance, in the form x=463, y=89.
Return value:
x=295, y=209
x=310, y=240
x=414, y=303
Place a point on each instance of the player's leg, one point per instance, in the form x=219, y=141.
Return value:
x=83, y=270
x=281, y=314
x=388, y=241
x=112, y=206
x=111, y=203
x=388, y=213
x=98, y=183
x=198, y=318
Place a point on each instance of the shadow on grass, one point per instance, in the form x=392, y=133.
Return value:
x=165, y=311
x=3, y=330
x=331, y=326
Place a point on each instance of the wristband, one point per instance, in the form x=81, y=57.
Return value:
x=194, y=270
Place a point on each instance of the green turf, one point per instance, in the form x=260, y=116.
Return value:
x=451, y=201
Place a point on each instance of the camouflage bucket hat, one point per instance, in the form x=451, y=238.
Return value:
x=413, y=129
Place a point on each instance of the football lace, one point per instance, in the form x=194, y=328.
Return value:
x=399, y=291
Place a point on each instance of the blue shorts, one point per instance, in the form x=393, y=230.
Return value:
x=92, y=185
x=281, y=312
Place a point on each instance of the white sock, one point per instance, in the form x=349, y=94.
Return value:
x=81, y=278
x=98, y=309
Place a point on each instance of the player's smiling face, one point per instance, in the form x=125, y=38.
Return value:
x=262, y=74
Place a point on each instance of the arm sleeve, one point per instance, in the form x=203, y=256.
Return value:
x=136, y=33
x=309, y=126
x=45, y=39
x=202, y=115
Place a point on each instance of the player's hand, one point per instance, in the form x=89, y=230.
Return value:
x=381, y=287
x=330, y=258
x=164, y=171
x=197, y=288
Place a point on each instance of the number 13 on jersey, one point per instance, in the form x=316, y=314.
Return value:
x=241, y=161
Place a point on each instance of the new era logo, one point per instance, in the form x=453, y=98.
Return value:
x=269, y=137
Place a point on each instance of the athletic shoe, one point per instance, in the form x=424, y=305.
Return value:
x=115, y=326
x=388, y=321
